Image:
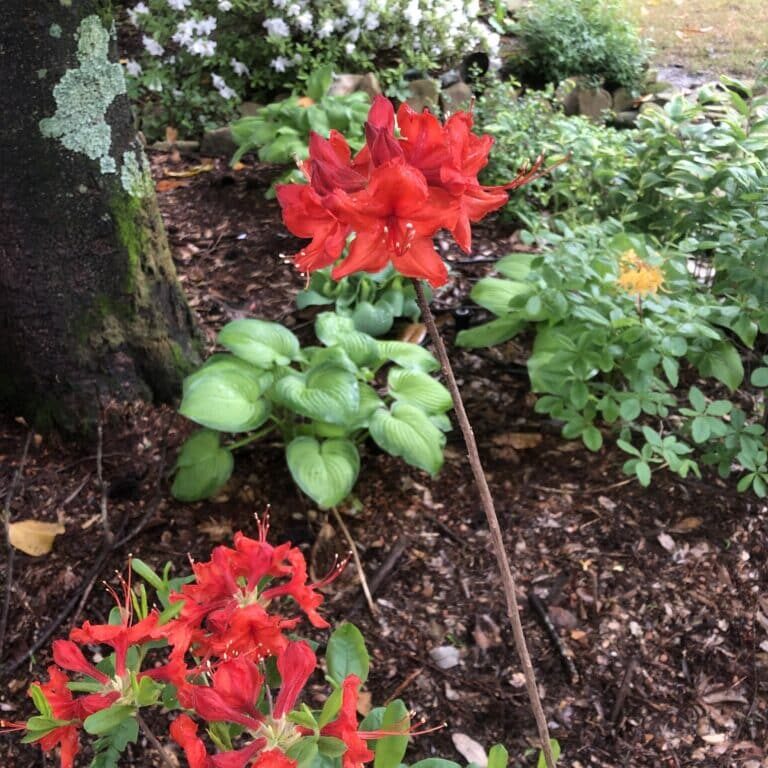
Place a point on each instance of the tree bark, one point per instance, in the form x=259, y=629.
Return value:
x=90, y=305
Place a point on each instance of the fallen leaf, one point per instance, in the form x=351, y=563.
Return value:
x=666, y=541
x=195, y=170
x=216, y=530
x=414, y=333
x=686, y=524
x=518, y=440
x=166, y=185
x=364, y=703
x=562, y=617
x=34, y=537
x=469, y=749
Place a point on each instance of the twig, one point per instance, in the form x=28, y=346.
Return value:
x=400, y=688
x=356, y=557
x=153, y=740
x=565, y=657
x=507, y=578
x=10, y=550
x=109, y=537
x=626, y=682
x=386, y=568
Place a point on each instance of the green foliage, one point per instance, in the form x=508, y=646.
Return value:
x=373, y=301
x=324, y=401
x=593, y=38
x=280, y=131
x=200, y=62
x=603, y=356
x=346, y=654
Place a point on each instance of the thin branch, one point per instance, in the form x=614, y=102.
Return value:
x=10, y=550
x=386, y=568
x=356, y=557
x=507, y=578
x=165, y=756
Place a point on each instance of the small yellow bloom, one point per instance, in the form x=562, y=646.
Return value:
x=637, y=276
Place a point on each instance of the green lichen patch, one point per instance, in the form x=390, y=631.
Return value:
x=54, y=31
x=135, y=175
x=83, y=96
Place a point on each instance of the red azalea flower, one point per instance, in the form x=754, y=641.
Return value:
x=394, y=219
x=424, y=142
x=344, y=727
x=304, y=215
x=295, y=665
x=381, y=145
x=69, y=656
x=184, y=732
x=330, y=165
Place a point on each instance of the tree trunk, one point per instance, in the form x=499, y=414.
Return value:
x=89, y=301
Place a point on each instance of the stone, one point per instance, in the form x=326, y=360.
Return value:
x=445, y=656
x=626, y=118
x=218, y=143
x=567, y=94
x=456, y=97
x=623, y=100
x=449, y=78
x=424, y=95
x=370, y=84
x=344, y=84
x=593, y=102
x=249, y=109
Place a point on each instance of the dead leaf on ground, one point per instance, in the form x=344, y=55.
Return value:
x=216, y=530
x=34, y=537
x=469, y=749
x=667, y=542
x=414, y=333
x=686, y=524
x=166, y=185
x=195, y=170
x=520, y=441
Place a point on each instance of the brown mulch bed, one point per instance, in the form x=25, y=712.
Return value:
x=658, y=596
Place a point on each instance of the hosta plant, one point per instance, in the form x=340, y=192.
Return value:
x=323, y=401
x=222, y=658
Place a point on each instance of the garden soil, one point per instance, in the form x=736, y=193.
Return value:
x=655, y=652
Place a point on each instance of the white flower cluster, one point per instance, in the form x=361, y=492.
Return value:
x=194, y=35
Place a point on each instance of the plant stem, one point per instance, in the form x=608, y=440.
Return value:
x=250, y=438
x=507, y=579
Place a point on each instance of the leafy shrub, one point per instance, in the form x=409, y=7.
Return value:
x=201, y=57
x=322, y=400
x=618, y=325
x=222, y=651
x=592, y=38
x=280, y=132
x=373, y=302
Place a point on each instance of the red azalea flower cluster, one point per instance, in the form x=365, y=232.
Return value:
x=394, y=195
x=225, y=630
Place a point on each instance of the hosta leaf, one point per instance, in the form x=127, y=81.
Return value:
x=373, y=319
x=495, y=293
x=260, y=342
x=337, y=330
x=418, y=388
x=408, y=355
x=406, y=431
x=489, y=334
x=326, y=393
x=326, y=471
x=224, y=399
x=202, y=467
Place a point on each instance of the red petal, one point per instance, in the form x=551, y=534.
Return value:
x=295, y=665
x=368, y=253
x=69, y=656
x=422, y=262
x=184, y=732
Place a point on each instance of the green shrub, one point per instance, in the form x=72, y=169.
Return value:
x=591, y=38
x=324, y=401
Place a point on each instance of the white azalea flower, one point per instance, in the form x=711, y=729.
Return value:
x=206, y=25
x=280, y=64
x=133, y=68
x=277, y=27
x=238, y=67
x=203, y=47
x=305, y=21
x=221, y=86
x=225, y=5
x=140, y=9
x=152, y=47
x=325, y=30
x=179, y=5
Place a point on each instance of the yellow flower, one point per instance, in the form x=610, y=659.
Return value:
x=637, y=276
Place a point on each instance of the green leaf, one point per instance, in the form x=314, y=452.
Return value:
x=327, y=393
x=516, y=266
x=554, y=744
x=498, y=757
x=325, y=471
x=330, y=746
x=489, y=334
x=630, y=409
x=643, y=472
x=319, y=82
x=140, y=568
x=495, y=294
x=759, y=377
x=346, y=654
x=41, y=703
x=331, y=707
x=390, y=750
x=202, y=467
x=373, y=319
x=406, y=431
x=260, y=342
x=408, y=355
x=700, y=429
x=722, y=362
x=435, y=762
x=333, y=329
x=419, y=389
x=592, y=438
x=303, y=751
x=697, y=399
x=225, y=400
x=671, y=370
x=105, y=720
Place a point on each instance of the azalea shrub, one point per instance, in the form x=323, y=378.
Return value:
x=200, y=58
x=372, y=301
x=619, y=326
x=323, y=401
x=280, y=131
x=221, y=654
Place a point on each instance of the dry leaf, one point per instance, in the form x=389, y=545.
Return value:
x=166, y=185
x=216, y=530
x=686, y=524
x=364, y=703
x=666, y=541
x=171, y=134
x=34, y=537
x=195, y=170
x=414, y=333
x=469, y=749
x=518, y=440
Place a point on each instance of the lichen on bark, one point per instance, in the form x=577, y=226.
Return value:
x=83, y=96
